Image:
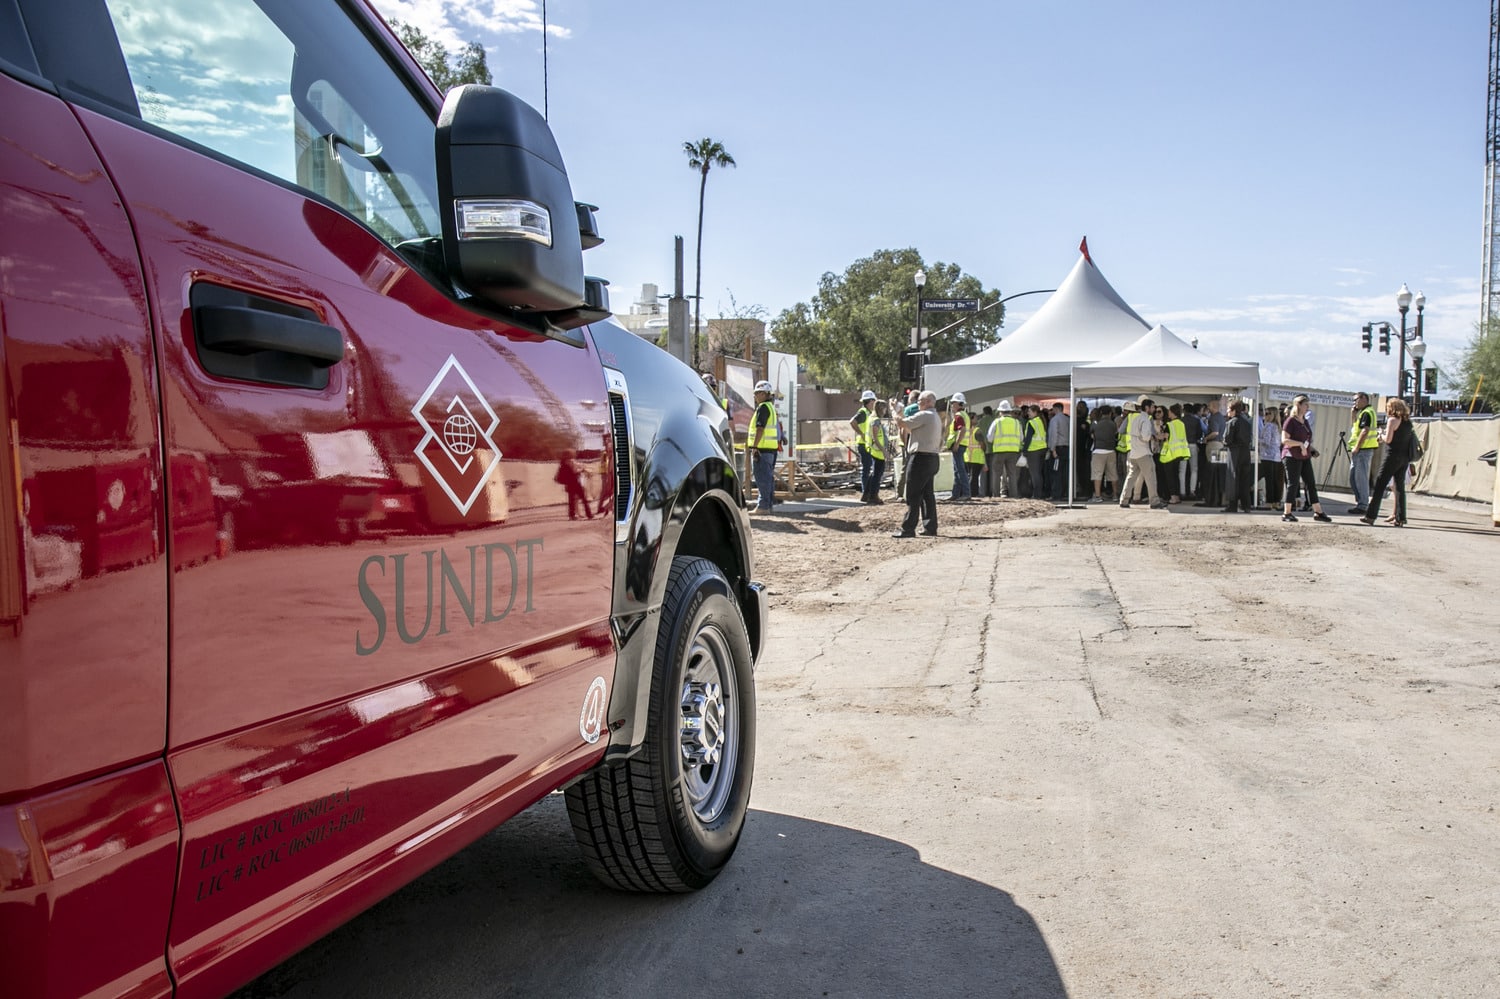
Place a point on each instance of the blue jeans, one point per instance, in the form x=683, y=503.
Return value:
x=765, y=480
x=960, y=477
x=1359, y=476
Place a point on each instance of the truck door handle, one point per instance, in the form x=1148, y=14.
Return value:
x=238, y=329
x=255, y=338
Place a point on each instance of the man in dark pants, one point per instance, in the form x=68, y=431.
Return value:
x=1239, y=442
x=1212, y=473
x=924, y=430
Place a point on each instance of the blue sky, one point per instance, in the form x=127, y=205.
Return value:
x=1261, y=177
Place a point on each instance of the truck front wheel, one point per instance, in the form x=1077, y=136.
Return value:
x=669, y=819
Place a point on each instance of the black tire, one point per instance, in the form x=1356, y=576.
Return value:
x=669, y=819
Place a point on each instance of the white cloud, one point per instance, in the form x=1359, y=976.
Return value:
x=455, y=23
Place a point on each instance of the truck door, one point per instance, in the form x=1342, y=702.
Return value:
x=384, y=608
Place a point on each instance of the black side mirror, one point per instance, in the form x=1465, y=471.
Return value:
x=510, y=225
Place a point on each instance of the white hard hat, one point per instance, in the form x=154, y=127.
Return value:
x=1004, y=406
x=959, y=397
x=764, y=386
x=866, y=396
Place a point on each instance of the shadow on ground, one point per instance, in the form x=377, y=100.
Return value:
x=805, y=909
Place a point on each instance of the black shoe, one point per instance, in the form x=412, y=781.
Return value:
x=1323, y=517
x=876, y=501
x=1356, y=511
x=928, y=534
x=1289, y=518
x=902, y=534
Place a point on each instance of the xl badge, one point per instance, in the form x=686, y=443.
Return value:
x=457, y=448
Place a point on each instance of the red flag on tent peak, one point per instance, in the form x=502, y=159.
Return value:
x=1084, y=249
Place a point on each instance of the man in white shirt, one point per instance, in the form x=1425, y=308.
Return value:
x=1142, y=468
x=924, y=430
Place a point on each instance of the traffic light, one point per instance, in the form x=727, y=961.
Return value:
x=1430, y=380
x=1406, y=381
x=911, y=365
x=1364, y=337
x=1385, y=338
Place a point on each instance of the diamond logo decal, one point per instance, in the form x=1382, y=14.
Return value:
x=458, y=448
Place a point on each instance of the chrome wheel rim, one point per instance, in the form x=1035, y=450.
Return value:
x=708, y=724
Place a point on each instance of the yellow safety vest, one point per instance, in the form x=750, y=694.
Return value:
x=1176, y=446
x=770, y=439
x=1038, y=434
x=1372, y=436
x=874, y=434
x=955, y=434
x=974, y=447
x=861, y=435
x=1122, y=436
x=1005, y=435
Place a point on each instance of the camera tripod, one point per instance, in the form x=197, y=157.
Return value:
x=1344, y=449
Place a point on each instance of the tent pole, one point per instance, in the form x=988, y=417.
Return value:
x=1072, y=458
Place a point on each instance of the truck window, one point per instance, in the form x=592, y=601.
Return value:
x=295, y=90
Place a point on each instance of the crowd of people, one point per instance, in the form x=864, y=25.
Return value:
x=1138, y=452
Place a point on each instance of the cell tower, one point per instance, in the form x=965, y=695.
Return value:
x=1489, y=304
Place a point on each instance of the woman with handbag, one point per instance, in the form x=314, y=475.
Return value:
x=1297, y=454
x=1400, y=441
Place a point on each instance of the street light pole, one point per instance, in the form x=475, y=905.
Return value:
x=1404, y=302
x=1418, y=351
x=921, y=279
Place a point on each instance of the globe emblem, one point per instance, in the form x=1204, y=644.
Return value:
x=460, y=434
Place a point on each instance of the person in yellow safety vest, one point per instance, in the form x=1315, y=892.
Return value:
x=1034, y=447
x=765, y=441
x=1174, y=454
x=1364, y=438
x=869, y=436
x=974, y=457
x=1005, y=453
x=960, y=440
x=1122, y=442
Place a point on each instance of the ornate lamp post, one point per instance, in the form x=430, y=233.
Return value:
x=1418, y=351
x=1404, y=301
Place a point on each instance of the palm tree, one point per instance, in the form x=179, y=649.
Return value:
x=702, y=155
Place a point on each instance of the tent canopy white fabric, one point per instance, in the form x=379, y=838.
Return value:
x=1161, y=362
x=1084, y=320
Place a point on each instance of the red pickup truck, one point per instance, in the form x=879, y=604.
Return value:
x=338, y=523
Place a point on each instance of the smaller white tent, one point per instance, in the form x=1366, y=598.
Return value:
x=1160, y=363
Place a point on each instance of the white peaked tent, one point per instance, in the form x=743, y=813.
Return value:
x=1161, y=364
x=1084, y=320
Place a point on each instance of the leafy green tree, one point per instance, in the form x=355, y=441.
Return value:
x=446, y=69
x=852, y=334
x=702, y=155
x=1481, y=359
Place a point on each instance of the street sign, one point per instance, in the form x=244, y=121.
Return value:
x=950, y=305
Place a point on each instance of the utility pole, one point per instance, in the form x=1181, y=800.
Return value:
x=1489, y=293
x=677, y=312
